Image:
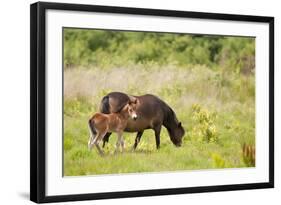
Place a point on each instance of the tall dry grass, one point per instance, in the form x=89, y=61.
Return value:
x=187, y=85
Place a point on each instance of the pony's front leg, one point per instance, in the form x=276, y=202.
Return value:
x=157, y=131
x=120, y=141
x=122, y=144
x=99, y=149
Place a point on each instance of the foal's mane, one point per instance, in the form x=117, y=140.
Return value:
x=124, y=103
x=120, y=108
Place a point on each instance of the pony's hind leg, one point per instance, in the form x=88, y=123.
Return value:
x=91, y=140
x=99, y=149
x=105, y=138
x=97, y=141
x=137, y=140
x=93, y=133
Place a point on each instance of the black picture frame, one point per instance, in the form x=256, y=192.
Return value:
x=38, y=101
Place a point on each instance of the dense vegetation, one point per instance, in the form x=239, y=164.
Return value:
x=208, y=80
x=110, y=48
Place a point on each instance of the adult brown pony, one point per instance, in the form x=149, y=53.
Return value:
x=152, y=113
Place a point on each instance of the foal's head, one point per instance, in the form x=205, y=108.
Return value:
x=130, y=108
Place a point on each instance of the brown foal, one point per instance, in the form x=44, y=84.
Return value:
x=101, y=123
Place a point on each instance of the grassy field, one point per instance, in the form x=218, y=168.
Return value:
x=215, y=106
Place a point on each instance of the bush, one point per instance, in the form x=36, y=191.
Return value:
x=218, y=161
x=204, y=128
x=83, y=47
x=249, y=155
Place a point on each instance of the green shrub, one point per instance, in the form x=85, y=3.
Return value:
x=218, y=161
x=83, y=47
x=204, y=128
x=68, y=144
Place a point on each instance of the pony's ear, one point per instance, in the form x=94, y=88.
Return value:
x=132, y=100
x=126, y=106
x=179, y=125
x=136, y=101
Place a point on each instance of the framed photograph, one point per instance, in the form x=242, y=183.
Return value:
x=129, y=102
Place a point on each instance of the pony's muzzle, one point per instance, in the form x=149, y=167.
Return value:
x=178, y=144
x=134, y=116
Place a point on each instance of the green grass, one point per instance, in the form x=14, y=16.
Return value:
x=215, y=133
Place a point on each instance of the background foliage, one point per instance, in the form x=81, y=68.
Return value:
x=110, y=48
x=208, y=80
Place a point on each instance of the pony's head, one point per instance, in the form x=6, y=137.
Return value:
x=131, y=107
x=176, y=134
x=174, y=127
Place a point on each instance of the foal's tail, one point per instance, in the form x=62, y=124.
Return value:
x=92, y=128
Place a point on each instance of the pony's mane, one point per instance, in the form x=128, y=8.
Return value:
x=170, y=116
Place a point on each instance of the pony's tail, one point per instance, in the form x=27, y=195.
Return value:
x=104, y=107
x=92, y=127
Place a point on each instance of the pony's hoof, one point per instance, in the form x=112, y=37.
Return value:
x=116, y=152
x=102, y=154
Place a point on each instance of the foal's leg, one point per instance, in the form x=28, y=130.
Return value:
x=120, y=141
x=91, y=139
x=96, y=142
x=99, y=149
x=157, y=131
x=90, y=143
x=137, y=140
